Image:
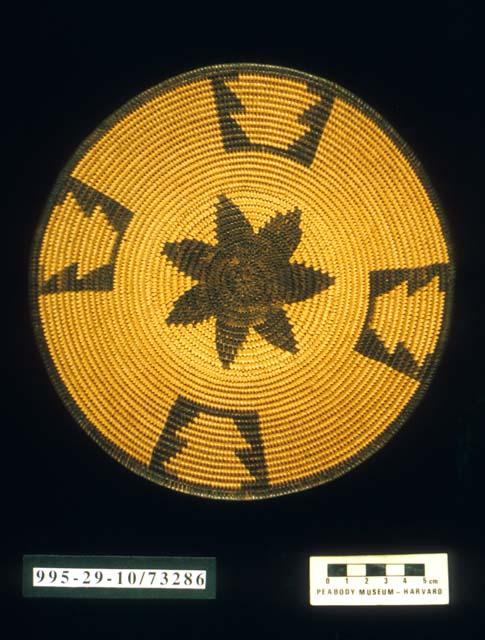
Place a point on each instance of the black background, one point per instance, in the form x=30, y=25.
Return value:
x=67, y=68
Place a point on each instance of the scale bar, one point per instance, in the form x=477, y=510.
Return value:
x=371, y=570
x=385, y=579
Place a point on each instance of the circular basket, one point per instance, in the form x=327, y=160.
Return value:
x=241, y=282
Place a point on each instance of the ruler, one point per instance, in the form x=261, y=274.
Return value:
x=396, y=579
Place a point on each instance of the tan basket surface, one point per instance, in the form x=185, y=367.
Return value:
x=241, y=283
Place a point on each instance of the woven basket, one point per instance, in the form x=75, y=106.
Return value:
x=241, y=282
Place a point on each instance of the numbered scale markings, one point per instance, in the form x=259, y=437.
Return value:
x=416, y=579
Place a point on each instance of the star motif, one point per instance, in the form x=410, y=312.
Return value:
x=244, y=280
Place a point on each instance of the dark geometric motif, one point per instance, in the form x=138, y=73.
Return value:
x=101, y=278
x=234, y=138
x=370, y=345
x=244, y=280
x=184, y=411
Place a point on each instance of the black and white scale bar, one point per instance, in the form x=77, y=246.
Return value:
x=375, y=570
x=384, y=579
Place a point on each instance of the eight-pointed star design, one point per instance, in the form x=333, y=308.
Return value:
x=244, y=280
